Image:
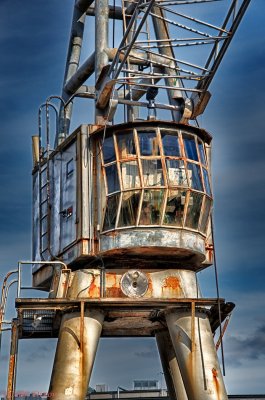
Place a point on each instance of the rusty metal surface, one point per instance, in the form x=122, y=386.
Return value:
x=75, y=354
x=196, y=355
x=123, y=316
x=111, y=303
x=76, y=347
x=109, y=129
x=11, y=382
x=148, y=242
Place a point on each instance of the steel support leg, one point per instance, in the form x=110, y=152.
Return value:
x=192, y=339
x=75, y=354
x=12, y=369
x=170, y=366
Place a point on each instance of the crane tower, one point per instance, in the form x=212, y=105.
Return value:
x=122, y=205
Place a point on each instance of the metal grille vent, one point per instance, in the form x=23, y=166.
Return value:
x=37, y=320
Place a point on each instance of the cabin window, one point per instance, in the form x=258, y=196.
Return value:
x=155, y=177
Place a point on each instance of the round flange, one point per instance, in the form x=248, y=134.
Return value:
x=134, y=283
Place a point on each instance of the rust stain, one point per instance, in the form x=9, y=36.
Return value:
x=216, y=383
x=114, y=292
x=112, y=279
x=150, y=285
x=171, y=287
x=10, y=376
x=113, y=285
x=94, y=291
x=171, y=282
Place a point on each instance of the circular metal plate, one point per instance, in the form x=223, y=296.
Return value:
x=134, y=283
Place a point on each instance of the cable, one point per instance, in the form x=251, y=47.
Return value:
x=218, y=296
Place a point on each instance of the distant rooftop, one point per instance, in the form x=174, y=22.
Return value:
x=152, y=394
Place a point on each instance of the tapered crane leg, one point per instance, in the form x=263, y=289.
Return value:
x=170, y=366
x=196, y=355
x=75, y=354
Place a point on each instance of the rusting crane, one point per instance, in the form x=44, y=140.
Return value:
x=122, y=205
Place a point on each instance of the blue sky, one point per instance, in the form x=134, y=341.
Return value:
x=33, y=46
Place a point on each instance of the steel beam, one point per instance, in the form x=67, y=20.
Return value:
x=101, y=44
x=162, y=33
x=80, y=76
x=72, y=62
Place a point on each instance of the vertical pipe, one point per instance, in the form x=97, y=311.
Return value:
x=101, y=44
x=170, y=366
x=75, y=354
x=199, y=369
x=132, y=111
x=12, y=369
x=72, y=63
x=161, y=31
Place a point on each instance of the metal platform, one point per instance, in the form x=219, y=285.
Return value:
x=41, y=318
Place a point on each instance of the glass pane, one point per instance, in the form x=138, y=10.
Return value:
x=112, y=178
x=194, y=173
x=190, y=147
x=148, y=144
x=201, y=151
x=170, y=145
x=111, y=212
x=151, y=207
x=176, y=173
x=129, y=208
x=126, y=147
x=175, y=208
x=206, y=213
x=194, y=210
x=108, y=150
x=130, y=175
x=207, y=182
x=152, y=173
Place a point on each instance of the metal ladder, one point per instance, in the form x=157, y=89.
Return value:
x=44, y=183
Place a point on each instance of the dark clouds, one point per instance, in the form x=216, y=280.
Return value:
x=241, y=349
